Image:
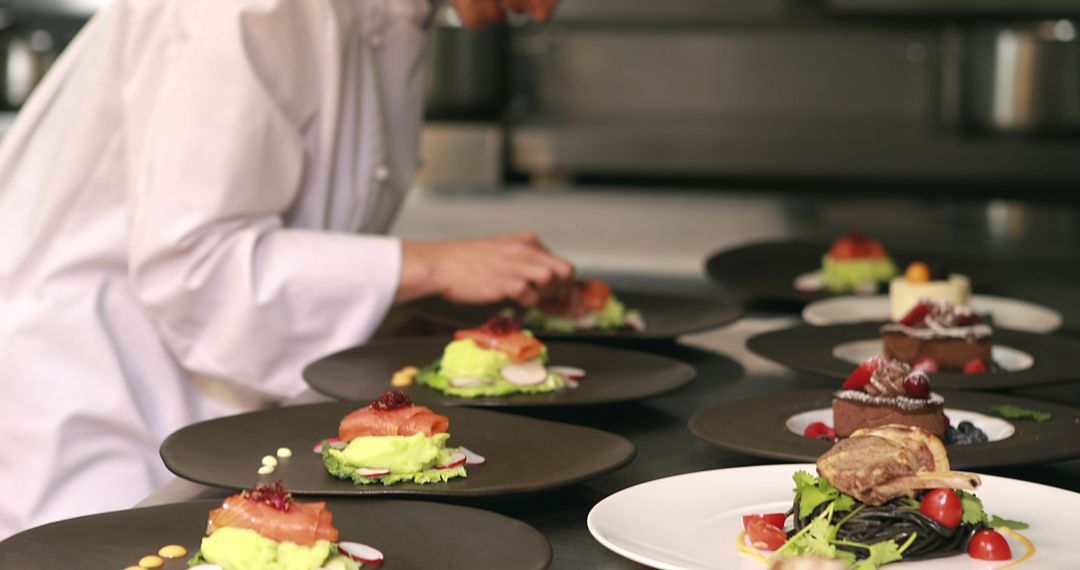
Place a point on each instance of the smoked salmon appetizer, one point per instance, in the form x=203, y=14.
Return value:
x=392, y=414
x=270, y=511
x=506, y=336
x=588, y=305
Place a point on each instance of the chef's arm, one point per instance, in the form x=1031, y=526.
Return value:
x=515, y=266
x=234, y=294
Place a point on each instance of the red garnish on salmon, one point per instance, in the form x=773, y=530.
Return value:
x=595, y=294
x=391, y=401
x=406, y=420
x=504, y=335
x=271, y=512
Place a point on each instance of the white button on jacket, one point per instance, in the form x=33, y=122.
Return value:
x=188, y=215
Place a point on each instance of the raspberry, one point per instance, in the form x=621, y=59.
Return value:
x=819, y=430
x=917, y=314
x=974, y=366
x=861, y=376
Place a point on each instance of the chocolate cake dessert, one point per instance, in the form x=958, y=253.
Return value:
x=948, y=337
x=885, y=391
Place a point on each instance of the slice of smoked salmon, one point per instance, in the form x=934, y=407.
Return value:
x=303, y=523
x=401, y=421
x=516, y=345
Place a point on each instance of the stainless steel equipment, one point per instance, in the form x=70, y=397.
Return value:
x=1023, y=77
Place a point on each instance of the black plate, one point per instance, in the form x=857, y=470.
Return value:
x=756, y=426
x=666, y=316
x=523, y=454
x=612, y=375
x=767, y=271
x=810, y=349
x=411, y=535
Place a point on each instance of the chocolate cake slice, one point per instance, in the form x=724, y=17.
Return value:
x=885, y=391
x=948, y=335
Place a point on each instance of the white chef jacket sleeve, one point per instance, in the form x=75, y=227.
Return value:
x=235, y=294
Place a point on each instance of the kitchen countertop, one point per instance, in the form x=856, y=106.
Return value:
x=659, y=240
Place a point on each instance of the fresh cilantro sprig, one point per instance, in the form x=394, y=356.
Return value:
x=813, y=492
x=1011, y=412
x=974, y=513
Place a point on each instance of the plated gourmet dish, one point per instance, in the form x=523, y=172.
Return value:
x=884, y=391
x=393, y=440
x=856, y=263
x=497, y=359
x=589, y=305
x=883, y=495
x=918, y=283
x=265, y=528
x=939, y=336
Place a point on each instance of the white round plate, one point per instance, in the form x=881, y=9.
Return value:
x=856, y=352
x=691, y=521
x=1007, y=313
x=996, y=429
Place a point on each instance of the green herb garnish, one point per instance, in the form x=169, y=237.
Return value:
x=813, y=492
x=1011, y=412
x=996, y=521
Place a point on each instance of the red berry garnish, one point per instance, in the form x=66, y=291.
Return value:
x=926, y=364
x=819, y=430
x=501, y=325
x=271, y=494
x=391, y=401
x=916, y=314
x=861, y=376
x=967, y=319
x=917, y=385
x=974, y=366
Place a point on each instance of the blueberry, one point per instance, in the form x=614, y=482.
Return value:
x=951, y=435
x=966, y=427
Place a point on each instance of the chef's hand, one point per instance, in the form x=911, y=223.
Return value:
x=489, y=270
x=479, y=14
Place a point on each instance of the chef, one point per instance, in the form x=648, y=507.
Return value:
x=190, y=212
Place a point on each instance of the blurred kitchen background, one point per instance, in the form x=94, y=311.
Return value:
x=638, y=136
x=711, y=92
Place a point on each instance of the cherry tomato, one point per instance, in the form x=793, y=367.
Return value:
x=775, y=519
x=595, y=294
x=943, y=506
x=989, y=545
x=764, y=536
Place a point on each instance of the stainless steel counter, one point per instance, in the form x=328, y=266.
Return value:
x=662, y=238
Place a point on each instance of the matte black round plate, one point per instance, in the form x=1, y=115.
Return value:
x=410, y=534
x=756, y=426
x=810, y=349
x=612, y=375
x=767, y=271
x=523, y=454
x=666, y=316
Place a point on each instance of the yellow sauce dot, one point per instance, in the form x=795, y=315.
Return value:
x=266, y=470
x=269, y=460
x=172, y=551
x=134, y=568
x=151, y=562
x=404, y=377
x=284, y=452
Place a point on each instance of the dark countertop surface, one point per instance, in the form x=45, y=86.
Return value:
x=1043, y=240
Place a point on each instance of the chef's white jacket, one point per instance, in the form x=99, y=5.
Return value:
x=188, y=210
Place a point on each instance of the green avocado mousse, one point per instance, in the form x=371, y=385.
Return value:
x=589, y=305
x=265, y=529
x=497, y=359
x=391, y=441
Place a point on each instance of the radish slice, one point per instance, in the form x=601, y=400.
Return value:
x=206, y=567
x=568, y=372
x=361, y=553
x=524, y=373
x=572, y=384
x=456, y=459
x=635, y=322
x=372, y=472
x=472, y=457
x=810, y=282
x=467, y=381
x=585, y=322
x=334, y=442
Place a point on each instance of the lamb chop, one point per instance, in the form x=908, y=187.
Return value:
x=883, y=463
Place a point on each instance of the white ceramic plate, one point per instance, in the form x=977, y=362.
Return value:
x=1007, y=313
x=1008, y=358
x=691, y=522
x=996, y=429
